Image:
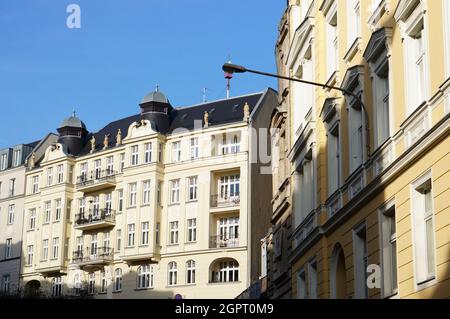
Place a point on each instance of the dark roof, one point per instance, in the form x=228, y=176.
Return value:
x=33, y=144
x=156, y=96
x=72, y=121
x=220, y=112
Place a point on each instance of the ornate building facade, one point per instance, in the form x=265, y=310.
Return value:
x=165, y=204
x=370, y=181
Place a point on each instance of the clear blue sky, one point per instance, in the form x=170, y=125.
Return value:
x=124, y=47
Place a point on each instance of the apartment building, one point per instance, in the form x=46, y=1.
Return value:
x=370, y=180
x=12, y=192
x=169, y=203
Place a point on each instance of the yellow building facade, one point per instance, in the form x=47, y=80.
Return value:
x=157, y=205
x=370, y=180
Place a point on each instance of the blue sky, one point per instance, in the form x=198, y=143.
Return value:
x=123, y=49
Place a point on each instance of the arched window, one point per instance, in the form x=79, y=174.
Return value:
x=104, y=285
x=118, y=280
x=56, y=287
x=77, y=285
x=338, y=273
x=173, y=273
x=145, y=277
x=225, y=270
x=190, y=272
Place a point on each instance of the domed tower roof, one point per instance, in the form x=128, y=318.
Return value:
x=72, y=121
x=72, y=134
x=156, y=108
x=156, y=96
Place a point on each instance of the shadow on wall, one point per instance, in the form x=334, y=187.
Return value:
x=10, y=267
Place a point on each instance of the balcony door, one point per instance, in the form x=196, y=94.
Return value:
x=94, y=246
x=228, y=232
x=229, y=188
x=96, y=207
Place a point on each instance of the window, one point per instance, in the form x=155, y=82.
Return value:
x=160, y=152
x=228, y=232
x=8, y=251
x=356, y=138
x=96, y=207
x=145, y=230
x=83, y=172
x=193, y=188
x=91, y=284
x=94, y=245
x=148, y=152
x=175, y=191
x=34, y=184
x=172, y=273
x=192, y=229
x=57, y=287
x=12, y=187
x=98, y=169
x=110, y=165
x=118, y=280
x=173, y=233
x=360, y=261
x=157, y=233
x=332, y=43
x=32, y=221
x=228, y=271
x=158, y=194
x=49, y=176
x=312, y=279
x=106, y=241
x=6, y=282
x=131, y=230
x=58, y=209
x=145, y=277
x=122, y=162
x=424, y=243
x=47, y=212
x=45, y=249
x=146, y=193
x=120, y=198
x=134, y=155
x=108, y=204
x=133, y=194
x=17, y=158
x=77, y=285
x=389, y=250
x=190, y=272
x=30, y=255
x=334, y=160
x=381, y=102
x=104, y=284
x=354, y=19
x=301, y=284
x=60, y=173
x=11, y=209
x=194, y=148
x=119, y=239
x=176, y=151
x=3, y=162
x=304, y=191
x=231, y=144
x=55, y=248
x=229, y=187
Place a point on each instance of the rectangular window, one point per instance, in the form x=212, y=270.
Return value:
x=176, y=151
x=106, y=241
x=194, y=148
x=175, y=191
x=148, y=152
x=133, y=194
x=423, y=221
x=145, y=229
x=79, y=245
x=11, y=209
x=47, y=212
x=160, y=152
x=30, y=255
x=354, y=19
x=389, y=250
x=60, y=173
x=17, y=158
x=334, y=160
x=32, y=221
x=146, y=193
x=110, y=165
x=231, y=144
x=120, y=198
x=104, y=285
x=45, y=249
x=58, y=208
x=157, y=228
x=119, y=239
x=49, y=176
x=122, y=162
x=332, y=44
x=55, y=247
x=12, y=187
x=35, y=184
x=134, y=155
x=159, y=190
x=8, y=251
x=131, y=232
x=192, y=229
x=193, y=188
x=356, y=137
x=108, y=204
x=380, y=87
x=312, y=279
x=6, y=282
x=96, y=206
x=173, y=233
x=360, y=261
x=97, y=169
x=301, y=284
x=3, y=162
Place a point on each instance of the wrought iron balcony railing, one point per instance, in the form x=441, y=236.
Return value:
x=96, y=176
x=94, y=216
x=221, y=241
x=225, y=200
x=98, y=254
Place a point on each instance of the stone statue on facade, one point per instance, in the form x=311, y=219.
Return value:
x=92, y=144
x=119, y=137
x=106, y=142
x=206, y=119
x=246, y=112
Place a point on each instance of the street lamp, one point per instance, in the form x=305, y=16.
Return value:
x=234, y=68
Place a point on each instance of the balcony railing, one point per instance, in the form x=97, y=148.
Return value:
x=95, y=218
x=225, y=201
x=96, y=179
x=221, y=241
x=96, y=256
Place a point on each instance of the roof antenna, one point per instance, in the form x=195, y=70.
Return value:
x=228, y=76
x=157, y=87
x=74, y=113
x=204, y=94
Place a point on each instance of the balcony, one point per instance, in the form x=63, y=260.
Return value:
x=96, y=180
x=97, y=258
x=220, y=241
x=219, y=201
x=95, y=219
